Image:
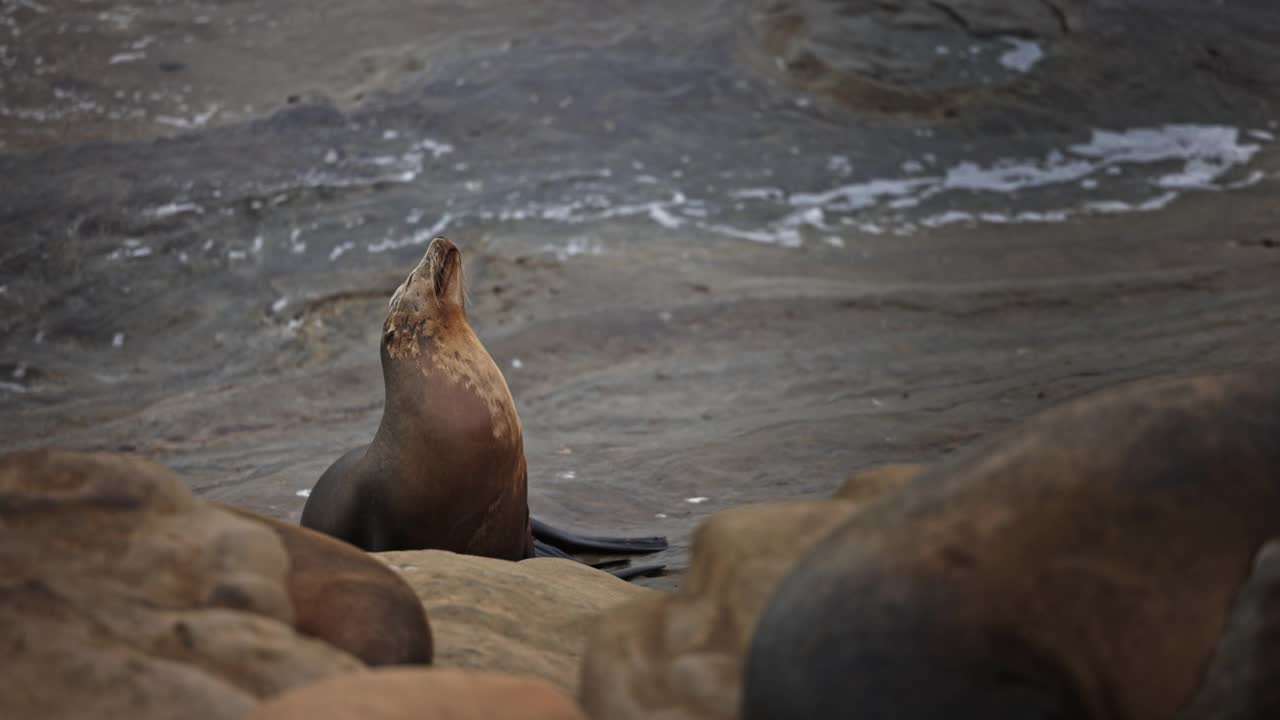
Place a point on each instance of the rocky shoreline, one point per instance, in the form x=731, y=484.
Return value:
x=724, y=253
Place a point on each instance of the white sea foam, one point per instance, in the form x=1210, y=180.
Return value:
x=435, y=147
x=195, y=121
x=574, y=247
x=419, y=237
x=171, y=209
x=1207, y=151
x=767, y=193
x=1022, y=55
x=126, y=57
x=861, y=195
x=133, y=248
x=1189, y=157
x=339, y=249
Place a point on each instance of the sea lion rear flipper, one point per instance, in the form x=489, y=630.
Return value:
x=607, y=564
x=565, y=540
x=638, y=571
x=618, y=568
x=542, y=549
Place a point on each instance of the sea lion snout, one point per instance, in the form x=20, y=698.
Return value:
x=437, y=278
x=438, y=252
x=446, y=262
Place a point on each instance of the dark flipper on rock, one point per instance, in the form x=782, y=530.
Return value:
x=626, y=572
x=636, y=571
x=568, y=541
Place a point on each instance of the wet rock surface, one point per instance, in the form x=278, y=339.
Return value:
x=1044, y=63
x=710, y=280
x=124, y=595
x=527, y=618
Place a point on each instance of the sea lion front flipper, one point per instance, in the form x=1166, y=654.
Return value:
x=568, y=541
x=1243, y=681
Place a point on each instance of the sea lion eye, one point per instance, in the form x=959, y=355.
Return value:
x=389, y=335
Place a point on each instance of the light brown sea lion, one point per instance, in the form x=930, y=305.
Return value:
x=350, y=600
x=1082, y=565
x=446, y=468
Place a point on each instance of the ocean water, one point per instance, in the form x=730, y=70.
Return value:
x=827, y=198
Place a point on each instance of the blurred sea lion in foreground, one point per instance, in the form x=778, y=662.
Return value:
x=348, y=599
x=446, y=468
x=1098, y=561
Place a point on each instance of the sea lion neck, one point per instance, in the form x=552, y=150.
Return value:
x=446, y=386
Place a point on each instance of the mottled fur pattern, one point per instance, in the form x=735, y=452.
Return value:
x=431, y=304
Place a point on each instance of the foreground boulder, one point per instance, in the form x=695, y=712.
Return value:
x=121, y=595
x=524, y=618
x=400, y=694
x=349, y=599
x=1107, y=558
x=680, y=655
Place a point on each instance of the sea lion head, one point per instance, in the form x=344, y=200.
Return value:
x=429, y=350
x=429, y=304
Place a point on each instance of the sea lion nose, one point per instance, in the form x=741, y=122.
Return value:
x=440, y=247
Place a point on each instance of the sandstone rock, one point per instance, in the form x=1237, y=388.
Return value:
x=121, y=595
x=681, y=655
x=525, y=618
x=864, y=485
x=349, y=599
x=421, y=695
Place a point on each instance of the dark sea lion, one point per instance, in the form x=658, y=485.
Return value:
x=1086, y=564
x=446, y=468
x=350, y=600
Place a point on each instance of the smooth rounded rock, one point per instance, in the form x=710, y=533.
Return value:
x=523, y=618
x=121, y=595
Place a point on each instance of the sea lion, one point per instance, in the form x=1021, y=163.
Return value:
x=348, y=599
x=446, y=468
x=1082, y=565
